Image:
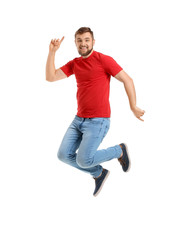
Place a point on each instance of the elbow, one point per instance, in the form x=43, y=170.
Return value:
x=50, y=79
x=49, y=75
x=127, y=81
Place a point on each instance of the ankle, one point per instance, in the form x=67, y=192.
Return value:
x=122, y=151
x=99, y=175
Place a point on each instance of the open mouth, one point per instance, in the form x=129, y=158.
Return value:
x=83, y=48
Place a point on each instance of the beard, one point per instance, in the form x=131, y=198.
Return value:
x=86, y=53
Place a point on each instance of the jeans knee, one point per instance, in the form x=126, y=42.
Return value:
x=84, y=162
x=61, y=155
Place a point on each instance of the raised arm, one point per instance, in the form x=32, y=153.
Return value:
x=53, y=74
x=130, y=90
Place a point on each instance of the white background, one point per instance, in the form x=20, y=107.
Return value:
x=41, y=197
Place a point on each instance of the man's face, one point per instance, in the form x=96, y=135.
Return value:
x=84, y=43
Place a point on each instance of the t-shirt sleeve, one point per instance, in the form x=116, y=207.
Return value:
x=68, y=68
x=110, y=65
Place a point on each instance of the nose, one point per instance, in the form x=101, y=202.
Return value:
x=83, y=43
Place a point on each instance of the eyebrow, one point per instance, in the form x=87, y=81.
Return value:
x=87, y=38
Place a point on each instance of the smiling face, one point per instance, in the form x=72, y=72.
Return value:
x=84, y=43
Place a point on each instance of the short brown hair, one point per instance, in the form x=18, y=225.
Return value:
x=84, y=30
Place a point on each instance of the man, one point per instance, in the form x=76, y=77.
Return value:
x=93, y=71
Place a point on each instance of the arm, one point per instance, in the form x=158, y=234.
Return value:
x=51, y=73
x=130, y=90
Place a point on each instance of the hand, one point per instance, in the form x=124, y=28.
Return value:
x=55, y=44
x=138, y=112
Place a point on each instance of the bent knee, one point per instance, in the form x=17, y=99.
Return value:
x=84, y=162
x=62, y=155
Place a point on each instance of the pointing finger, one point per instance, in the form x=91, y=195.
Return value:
x=141, y=119
x=62, y=39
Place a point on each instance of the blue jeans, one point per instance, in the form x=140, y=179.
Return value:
x=85, y=135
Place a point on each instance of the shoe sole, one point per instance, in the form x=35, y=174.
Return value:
x=107, y=175
x=128, y=158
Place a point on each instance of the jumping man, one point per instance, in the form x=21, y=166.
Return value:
x=93, y=71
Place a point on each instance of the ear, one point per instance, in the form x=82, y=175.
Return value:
x=93, y=42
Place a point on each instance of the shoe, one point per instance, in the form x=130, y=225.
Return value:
x=124, y=160
x=99, y=181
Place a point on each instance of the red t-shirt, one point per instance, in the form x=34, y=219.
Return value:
x=93, y=83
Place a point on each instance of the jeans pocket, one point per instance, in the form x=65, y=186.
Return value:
x=100, y=127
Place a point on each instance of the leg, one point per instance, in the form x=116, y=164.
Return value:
x=70, y=144
x=94, y=130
